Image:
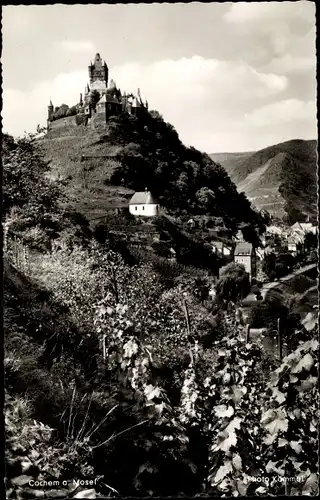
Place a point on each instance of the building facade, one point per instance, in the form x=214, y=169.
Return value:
x=245, y=254
x=144, y=204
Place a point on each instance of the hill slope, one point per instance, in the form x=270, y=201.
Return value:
x=103, y=167
x=278, y=178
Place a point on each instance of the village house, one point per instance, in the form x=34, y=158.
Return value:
x=304, y=228
x=292, y=245
x=143, y=203
x=219, y=247
x=245, y=254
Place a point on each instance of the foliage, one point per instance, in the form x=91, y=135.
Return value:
x=94, y=98
x=310, y=241
x=32, y=201
x=152, y=151
x=233, y=284
x=290, y=421
x=277, y=265
x=63, y=111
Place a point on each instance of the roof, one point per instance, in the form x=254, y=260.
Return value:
x=218, y=244
x=243, y=248
x=143, y=198
x=292, y=241
x=108, y=98
x=273, y=230
x=136, y=103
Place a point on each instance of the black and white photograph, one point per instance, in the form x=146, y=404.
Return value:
x=160, y=250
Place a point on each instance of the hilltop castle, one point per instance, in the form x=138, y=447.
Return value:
x=99, y=101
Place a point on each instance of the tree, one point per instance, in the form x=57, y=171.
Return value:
x=269, y=265
x=233, y=284
x=62, y=111
x=310, y=241
x=94, y=98
x=24, y=181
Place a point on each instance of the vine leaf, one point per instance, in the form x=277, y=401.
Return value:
x=310, y=321
x=86, y=494
x=228, y=436
x=278, y=396
x=152, y=392
x=272, y=467
x=238, y=393
x=223, y=471
x=224, y=411
x=237, y=461
x=227, y=440
x=308, y=486
x=21, y=480
x=296, y=446
x=282, y=442
x=130, y=348
x=308, y=384
x=275, y=421
x=304, y=364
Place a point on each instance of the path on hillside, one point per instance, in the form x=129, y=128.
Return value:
x=273, y=284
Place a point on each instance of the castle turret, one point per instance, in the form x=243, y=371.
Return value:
x=98, y=74
x=50, y=110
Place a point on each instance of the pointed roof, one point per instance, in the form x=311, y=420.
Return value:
x=136, y=103
x=108, y=98
x=143, y=198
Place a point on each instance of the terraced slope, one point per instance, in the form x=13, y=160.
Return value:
x=280, y=178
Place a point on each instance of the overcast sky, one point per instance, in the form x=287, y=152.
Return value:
x=229, y=77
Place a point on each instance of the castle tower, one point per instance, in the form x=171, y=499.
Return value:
x=98, y=74
x=50, y=110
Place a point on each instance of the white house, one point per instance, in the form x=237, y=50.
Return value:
x=143, y=203
x=221, y=247
x=245, y=254
x=292, y=246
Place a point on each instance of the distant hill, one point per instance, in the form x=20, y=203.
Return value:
x=102, y=168
x=280, y=178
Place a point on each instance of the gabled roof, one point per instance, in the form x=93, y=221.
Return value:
x=243, y=248
x=143, y=198
x=218, y=244
x=273, y=230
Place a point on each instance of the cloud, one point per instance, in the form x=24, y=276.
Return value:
x=243, y=12
x=25, y=110
x=214, y=105
x=78, y=46
x=282, y=112
x=291, y=65
x=194, y=80
x=271, y=30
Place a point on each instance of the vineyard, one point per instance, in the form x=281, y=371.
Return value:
x=255, y=417
x=124, y=377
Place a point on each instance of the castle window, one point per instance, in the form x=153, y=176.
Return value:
x=142, y=208
x=136, y=208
